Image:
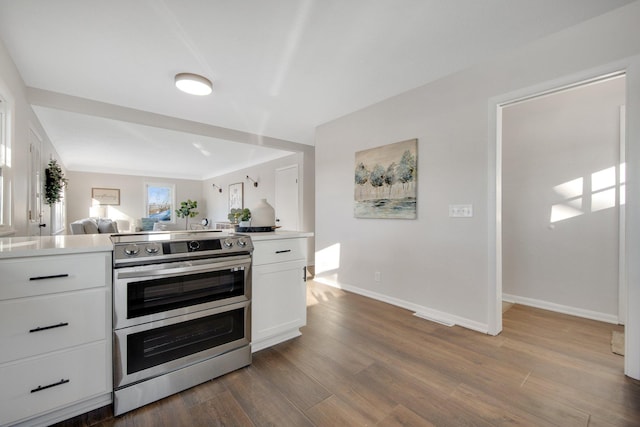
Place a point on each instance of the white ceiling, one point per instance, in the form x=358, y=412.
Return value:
x=280, y=68
x=95, y=144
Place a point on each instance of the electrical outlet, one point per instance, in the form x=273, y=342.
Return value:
x=376, y=276
x=460, y=211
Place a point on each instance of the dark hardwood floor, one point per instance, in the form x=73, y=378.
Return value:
x=363, y=362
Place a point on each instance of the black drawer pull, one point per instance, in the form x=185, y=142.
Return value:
x=40, y=388
x=44, y=328
x=55, y=276
x=281, y=252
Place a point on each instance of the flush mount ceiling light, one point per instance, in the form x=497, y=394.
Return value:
x=193, y=84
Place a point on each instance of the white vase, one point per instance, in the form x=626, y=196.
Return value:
x=263, y=215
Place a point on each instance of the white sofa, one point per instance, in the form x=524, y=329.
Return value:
x=94, y=226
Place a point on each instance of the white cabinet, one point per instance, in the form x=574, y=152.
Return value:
x=278, y=298
x=55, y=330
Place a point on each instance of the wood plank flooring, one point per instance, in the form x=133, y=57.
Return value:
x=361, y=362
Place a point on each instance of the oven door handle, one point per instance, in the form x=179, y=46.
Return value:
x=185, y=269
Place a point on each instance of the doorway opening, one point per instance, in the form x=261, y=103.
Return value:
x=560, y=200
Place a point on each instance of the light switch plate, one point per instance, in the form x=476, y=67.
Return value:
x=460, y=211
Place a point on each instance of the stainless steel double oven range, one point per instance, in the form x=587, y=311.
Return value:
x=181, y=312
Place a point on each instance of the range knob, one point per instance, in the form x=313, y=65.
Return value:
x=227, y=243
x=152, y=248
x=131, y=250
x=242, y=242
x=194, y=245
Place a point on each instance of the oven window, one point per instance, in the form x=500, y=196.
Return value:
x=161, y=345
x=168, y=293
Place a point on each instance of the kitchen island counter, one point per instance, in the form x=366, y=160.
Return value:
x=277, y=235
x=15, y=247
x=55, y=327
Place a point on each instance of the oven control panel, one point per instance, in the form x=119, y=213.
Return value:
x=170, y=249
x=183, y=247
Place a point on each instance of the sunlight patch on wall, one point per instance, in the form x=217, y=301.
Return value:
x=603, y=188
x=570, y=209
x=603, y=200
x=328, y=259
x=605, y=178
x=96, y=210
x=602, y=194
x=114, y=213
x=570, y=189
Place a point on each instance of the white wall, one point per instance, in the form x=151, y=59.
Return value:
x=265, y=174
x=438, y=265
x=13, y=89
x=551, y=147
x=132, y=195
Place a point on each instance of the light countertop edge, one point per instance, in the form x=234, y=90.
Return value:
x=277, y=235
x=15, y=247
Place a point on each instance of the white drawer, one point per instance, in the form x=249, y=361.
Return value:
x=85, y=368
x=30, y=276
x=269, y=251
x=32, y=326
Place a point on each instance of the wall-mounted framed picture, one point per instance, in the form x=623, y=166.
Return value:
x=106, y=196
x=386, y=181
x=160, y=201
x=236, y=196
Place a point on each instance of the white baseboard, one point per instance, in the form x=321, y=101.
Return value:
x=419, y=310
x=559, y=308
x=432, y=319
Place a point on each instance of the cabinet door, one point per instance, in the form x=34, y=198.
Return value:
x=278, y=300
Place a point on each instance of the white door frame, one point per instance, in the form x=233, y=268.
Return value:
x=622, y=258
x=630, y=67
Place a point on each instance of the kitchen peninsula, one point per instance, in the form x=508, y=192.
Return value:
x=55, y=327
x=56, y=318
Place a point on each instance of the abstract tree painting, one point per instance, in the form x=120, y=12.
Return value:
x=386, y=181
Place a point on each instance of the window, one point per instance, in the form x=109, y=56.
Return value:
x=34, y=180
x=160, y=202
x=5, y=166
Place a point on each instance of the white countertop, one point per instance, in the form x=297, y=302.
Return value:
x=276, y=235
x=14, y=247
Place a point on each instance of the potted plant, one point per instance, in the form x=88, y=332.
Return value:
x=242, y=217
x=187, y=210
x=54, y=183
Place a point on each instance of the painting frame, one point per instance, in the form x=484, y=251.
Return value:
x=160, y=202
x=236, y=196
x=106, y=196
x=386, y=181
